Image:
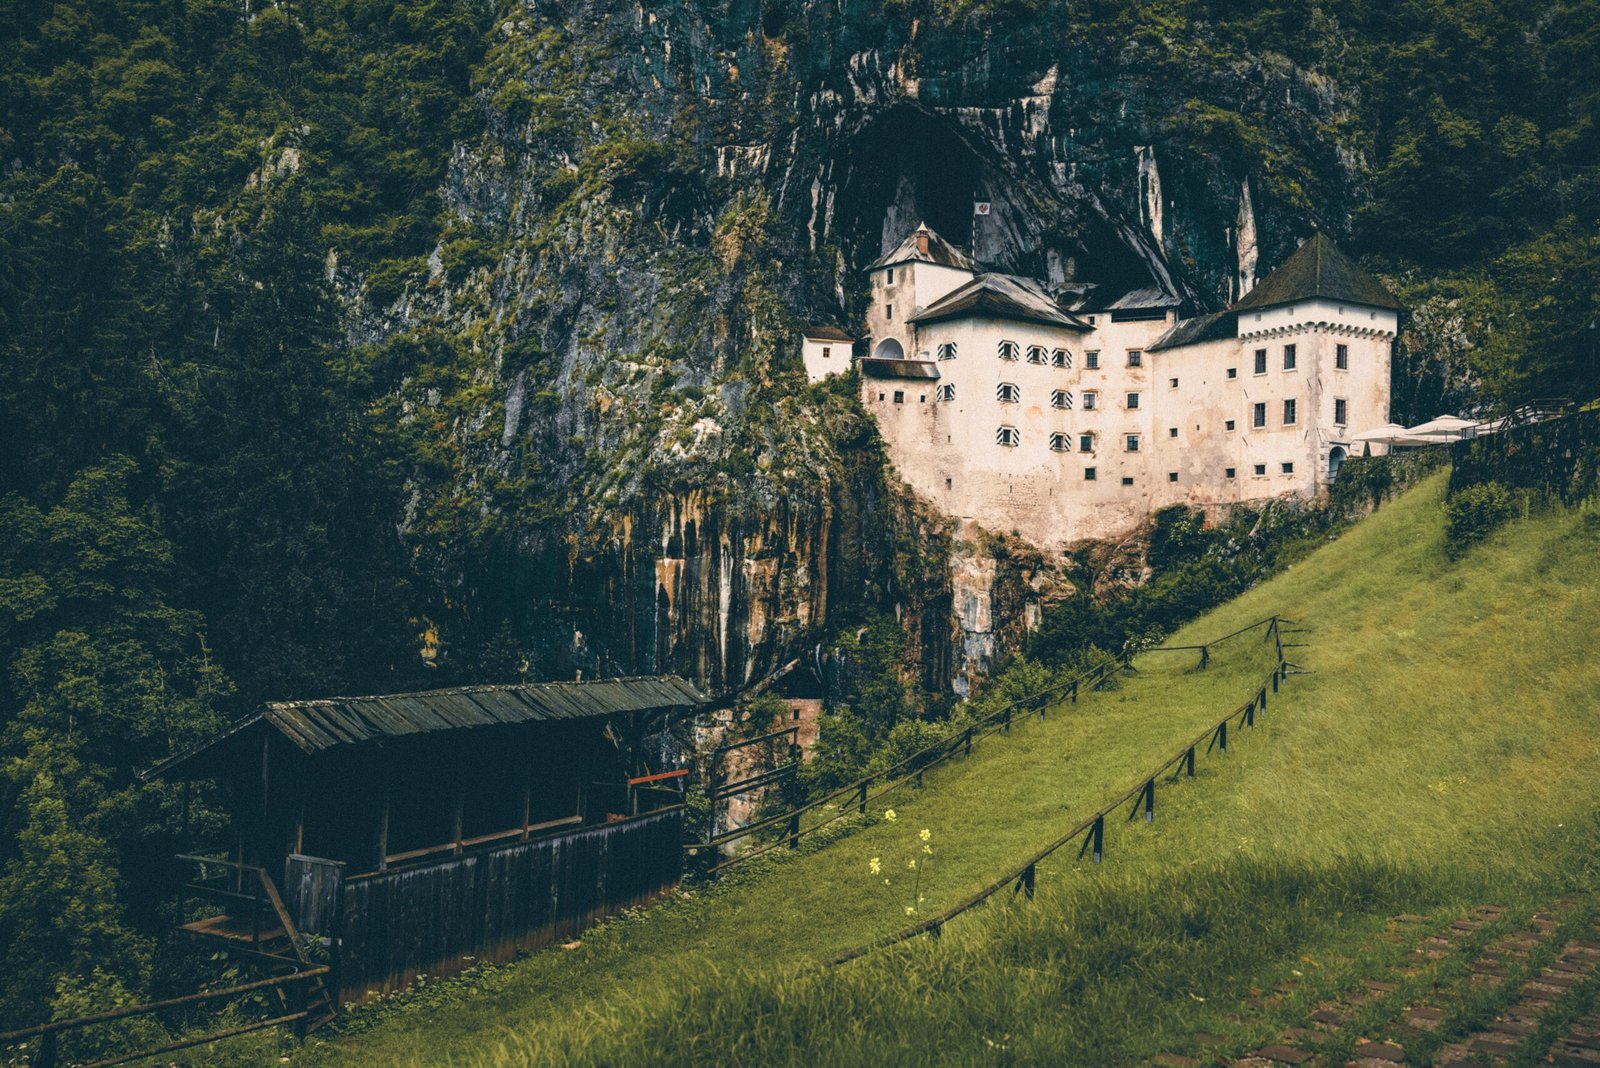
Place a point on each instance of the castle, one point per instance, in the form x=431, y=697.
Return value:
x=1068, y=413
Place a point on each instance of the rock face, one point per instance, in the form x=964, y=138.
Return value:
x=638, y=477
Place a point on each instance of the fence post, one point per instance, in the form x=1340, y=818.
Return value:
x=1006, y=728
x=861, y=798
x=1074, y=691
x=794, y=831
x=1099, y=833
x=1261, y=698
x=1189, y=762
x=1222, y=736
x=1205, y=657
x=48, y=1056
x=1274, y=680
x=1250, y=714
x=1025, y=884
x=1150, y=801
x=969, y=742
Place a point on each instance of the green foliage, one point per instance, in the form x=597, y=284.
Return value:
x=1473, y=513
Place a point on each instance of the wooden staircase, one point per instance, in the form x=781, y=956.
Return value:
x=253, y=923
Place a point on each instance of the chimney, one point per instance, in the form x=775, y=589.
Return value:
x=922, y=240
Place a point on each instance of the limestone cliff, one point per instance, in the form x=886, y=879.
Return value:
x=621, y=464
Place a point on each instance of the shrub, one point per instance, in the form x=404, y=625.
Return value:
x=1473, y=513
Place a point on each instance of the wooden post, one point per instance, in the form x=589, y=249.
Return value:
x=1074, y=691
x=1189, y=762
x=1274, y=681
x=861, y=797
x=1222, y=736
x=1205, y=657
x=969, y=742
x=383, y=826
x=460, y=808
x=794, y=831
x=1099, y=837
x=527, y=801
x=1150, y=801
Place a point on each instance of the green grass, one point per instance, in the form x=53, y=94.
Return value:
x=1443, y=751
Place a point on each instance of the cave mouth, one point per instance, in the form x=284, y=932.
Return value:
x=905, y=167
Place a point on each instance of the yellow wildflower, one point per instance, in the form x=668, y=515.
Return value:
x=889, y=815
x=912, y=863
x=925, y=834
x=874, y=866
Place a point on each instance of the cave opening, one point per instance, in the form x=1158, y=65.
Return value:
x=906, y=167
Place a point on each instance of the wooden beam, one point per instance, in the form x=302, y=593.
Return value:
x=460, y=806
x=527, y=800
x=383, y=826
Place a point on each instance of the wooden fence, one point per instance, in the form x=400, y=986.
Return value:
x=911, y=768
x=1092, y=830
x=397, y=925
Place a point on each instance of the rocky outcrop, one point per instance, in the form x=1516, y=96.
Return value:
x=635, y=475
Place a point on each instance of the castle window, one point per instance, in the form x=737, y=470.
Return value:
x=1341, y=411
x=1007, y=393
x=1132, y=443
x=1261, y=361
x=1036, y=354
x=1009, y=436
x=1061, y=358
x=1229, y=472
x=1088, y=474
x=1172, y=431
x=880, y=396
x=922, y=398
x=1229, y=425
x=1173, y=383
x=888, y=279
x=1127, y=480
x=827, y=351
x=1261, y=469
x=1086, y=443
x=1133, y=401
x=1061, y=398
x=1172, y=476
x=947, y=351
x=946, y=392
x=1091, y=360
x=1135, y=358
x=1288, y=358
x=888, y=311
x=1091, y=400
x=1258, y=414
x=1059, y=443
x=1233, y=372
x=1288, y=468
x=899, y=396
x=1008, y=350
x=1341, y=357
x=1290, y=412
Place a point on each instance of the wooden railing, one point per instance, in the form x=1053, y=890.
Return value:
x=910, y=769
x=1091, y=830
x=47, y=1053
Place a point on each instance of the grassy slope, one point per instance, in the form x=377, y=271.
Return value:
x=1444, y=749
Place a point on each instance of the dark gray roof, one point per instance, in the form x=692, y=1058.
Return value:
x=827, y=333
x=1002, y=296
x=939, y=251
x=1210, y=327
x=1318, y=269
x=884, y=367
x=322, y=724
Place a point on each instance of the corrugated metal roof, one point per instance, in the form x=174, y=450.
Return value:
x=322, y=724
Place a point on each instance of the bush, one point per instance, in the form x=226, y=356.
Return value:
x=1472, y=514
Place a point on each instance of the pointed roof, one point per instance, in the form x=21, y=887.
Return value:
x=1211, y=327
x=1317, y=269
x=1001, y=296
x=939, y=251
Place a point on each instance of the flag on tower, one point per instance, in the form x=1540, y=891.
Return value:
x=980, y=207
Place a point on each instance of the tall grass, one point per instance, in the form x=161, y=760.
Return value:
x=1442, y=749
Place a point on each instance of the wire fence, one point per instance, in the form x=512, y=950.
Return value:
x=910, y=769
x=1092, y=829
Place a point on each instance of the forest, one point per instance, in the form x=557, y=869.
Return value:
x=225, y=474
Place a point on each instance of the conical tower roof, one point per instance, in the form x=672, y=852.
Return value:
x=1317, y=269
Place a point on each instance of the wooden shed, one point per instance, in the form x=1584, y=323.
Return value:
x=410, y=834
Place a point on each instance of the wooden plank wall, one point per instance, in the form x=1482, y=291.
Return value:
x=487, y=906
